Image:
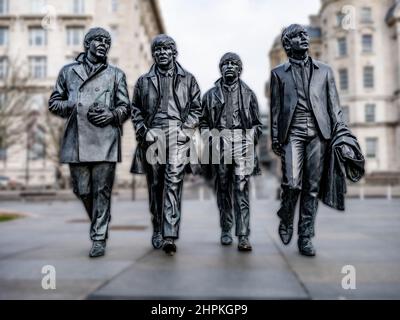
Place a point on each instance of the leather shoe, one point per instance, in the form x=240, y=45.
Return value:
x=285, y=232
x=226, y=238
x=157, y=240
x=169, y=247
x=306, y=247
x=244, y=244
x=98, y=249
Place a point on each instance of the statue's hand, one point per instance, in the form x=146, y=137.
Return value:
x=277, y=148
x=100, y=119
x=347, y=152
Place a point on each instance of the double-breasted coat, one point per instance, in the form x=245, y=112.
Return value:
x=74, y=93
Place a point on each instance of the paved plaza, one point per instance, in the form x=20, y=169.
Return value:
x=366, y=236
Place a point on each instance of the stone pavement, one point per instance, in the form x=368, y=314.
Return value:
x=367, y=237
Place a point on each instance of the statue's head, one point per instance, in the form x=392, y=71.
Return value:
x=97, y=42
x=163, y=49
x=230, y=66
x=295, y=40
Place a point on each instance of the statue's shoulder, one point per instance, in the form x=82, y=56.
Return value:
x=69, y=66
x=322, y=65
x=279, y=68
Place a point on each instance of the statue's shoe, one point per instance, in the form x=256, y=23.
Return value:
x=285, y=232
x=244, y=244
x=169, y=247
x=306, y=247
x=98, y=249
x=157, y=240
x=226, y=238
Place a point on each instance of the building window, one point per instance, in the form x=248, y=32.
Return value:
x=367, y=43
x=38, y=6
x=372, y=145
x=114, y=5
x=370, y=113
x=78, y=6
x=37, y=37
x=366, y=15
x=346, y=114
x=342, y=47
x=38, y=67
x=3, y=67
x=3, y=147
x=3, y=6
x=368, y=77
x=343, y=79
x=75, y=36
x=114, y=33
x=339, y=18
x=3, y=36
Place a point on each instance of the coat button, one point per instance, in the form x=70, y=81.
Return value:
x=97, y=89
x=79, y=104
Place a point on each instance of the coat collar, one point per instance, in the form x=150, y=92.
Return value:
x=219, y=93
x=288, y=65
x=80, y=69
x=152, y=74
x=179, y=71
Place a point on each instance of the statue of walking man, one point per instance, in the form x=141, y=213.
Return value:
x=93, y=97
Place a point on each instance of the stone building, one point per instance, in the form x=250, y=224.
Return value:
x=360, y=40
x=43, y=35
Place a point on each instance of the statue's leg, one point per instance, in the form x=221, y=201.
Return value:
x=313, y=171
x=81, y=185
x=292, y=173
x=103, y=175
x=155, y=184
x=223, y=189
x=242, y=204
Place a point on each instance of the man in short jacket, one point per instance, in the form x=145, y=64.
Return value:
x=230, y=111
x=305, y=109
x=166, y=108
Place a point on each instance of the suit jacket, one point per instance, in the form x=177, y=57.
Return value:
x=146, y=102
x=73, y=95
x=324, y=100
x=340, y=164
x=214, y=104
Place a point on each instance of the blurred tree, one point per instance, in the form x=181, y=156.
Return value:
x=13, y=109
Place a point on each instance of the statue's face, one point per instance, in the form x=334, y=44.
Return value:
x=230, y=70
x=100, y=46
x=163, y=55
x=300, y=42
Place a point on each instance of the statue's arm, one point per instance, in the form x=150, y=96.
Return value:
x=60, y=103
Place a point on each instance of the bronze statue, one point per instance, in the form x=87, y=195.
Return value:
x=230, y=109
x=93, y=96
x=306, y=122
x=166, y=107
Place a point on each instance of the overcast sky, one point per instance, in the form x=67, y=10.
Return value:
x=205, y=29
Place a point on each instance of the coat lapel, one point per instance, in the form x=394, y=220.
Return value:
x=220, y=97
x=80, y=71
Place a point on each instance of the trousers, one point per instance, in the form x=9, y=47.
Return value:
x=92, y=183
x=302, y=168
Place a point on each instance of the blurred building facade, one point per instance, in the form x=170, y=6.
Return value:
x=360, y=40
x=44, y=35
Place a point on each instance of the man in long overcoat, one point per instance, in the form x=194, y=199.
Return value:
x=93, y=96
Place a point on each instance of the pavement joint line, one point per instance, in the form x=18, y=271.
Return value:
x=20, y=252
x=302, y=284
x=88, y=296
